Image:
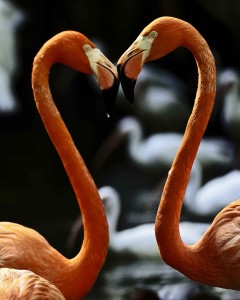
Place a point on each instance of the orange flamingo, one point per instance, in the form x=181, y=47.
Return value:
x=215, y=258
x=24, y=248
x=24, y=284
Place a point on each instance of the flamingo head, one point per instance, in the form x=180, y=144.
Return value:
x=159, y=38
x=105, y=73
x=76, y=51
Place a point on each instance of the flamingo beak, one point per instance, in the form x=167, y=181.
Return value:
x=127, y=83
x=106, y=75
x=129, y=66
x=131, y=62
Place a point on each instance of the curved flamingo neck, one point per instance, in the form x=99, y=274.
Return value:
x=81, y=271
x=172, y=249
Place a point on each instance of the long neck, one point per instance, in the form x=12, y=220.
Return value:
x=81, y=271
x=172, y=249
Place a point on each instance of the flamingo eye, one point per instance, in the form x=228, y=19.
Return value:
x=86, y=47
x=153, y=34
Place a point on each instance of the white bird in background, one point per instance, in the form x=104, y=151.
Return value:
x=8, y=102
x=140, y=240
x=155, y=153
x=24, y=285
x=10, y=18
x=229, y=84
x=214, y=195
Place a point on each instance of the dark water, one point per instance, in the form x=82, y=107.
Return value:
x=121, y=278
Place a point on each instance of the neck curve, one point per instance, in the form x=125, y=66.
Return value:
x=81, y=271
x=172, y=248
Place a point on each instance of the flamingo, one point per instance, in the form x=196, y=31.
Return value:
x=138, y=241
x=24, y=284
x=24, y=248
x=213, y=260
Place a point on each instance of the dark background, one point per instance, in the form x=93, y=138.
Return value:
x=34, y=189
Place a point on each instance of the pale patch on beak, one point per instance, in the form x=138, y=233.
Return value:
x=141, y=45
x=106, y=75
x=131, y=62
x=104, y=71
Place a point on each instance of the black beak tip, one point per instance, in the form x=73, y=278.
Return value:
x=127, y=84
x=110, y=96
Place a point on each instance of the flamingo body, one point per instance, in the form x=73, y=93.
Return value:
x=25, y=285
x=15, y=251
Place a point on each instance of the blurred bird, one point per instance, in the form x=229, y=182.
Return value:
x=214, y=195
x=154, y=154
x=229, y=85
x=140, y=240
x=10, y=19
